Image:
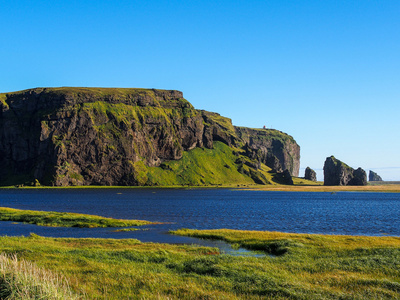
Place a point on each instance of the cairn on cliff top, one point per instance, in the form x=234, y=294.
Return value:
x=310, y=174
x=374, y=176
x=337, y=172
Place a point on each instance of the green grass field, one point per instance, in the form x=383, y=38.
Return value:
x=297, y=266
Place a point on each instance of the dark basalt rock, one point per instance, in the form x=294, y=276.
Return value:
x=284, y=177
x=101, y=136
x=273, y=148
x=310, y=174
x=338, y=173
x=359, y=177
x=374, y=176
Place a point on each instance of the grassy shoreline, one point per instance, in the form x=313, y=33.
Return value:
x=387, y=188
x=384, y=188
x=304, y=266
x=63, y=219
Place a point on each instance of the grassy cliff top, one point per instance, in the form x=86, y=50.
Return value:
x=266, y=133
x=340, y=163
x=69, y=96
x=91, y=90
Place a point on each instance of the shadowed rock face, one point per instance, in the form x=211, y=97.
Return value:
x=338, y=173
x=310, y=174
x=374, y=176
x=284, y=177
x=272, y=147
x=83, y=136
x=359, y=177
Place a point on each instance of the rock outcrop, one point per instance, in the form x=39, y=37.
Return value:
x=272, y=147
x=310, y=174
x=374, y=176
x=284, y=177
x=338, y=173
x=100, y=136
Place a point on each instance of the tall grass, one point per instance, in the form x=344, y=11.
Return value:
x=23, y=280
x=302, y=266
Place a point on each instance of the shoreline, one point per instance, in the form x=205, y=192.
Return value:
x=385, y=188
x=381, y=188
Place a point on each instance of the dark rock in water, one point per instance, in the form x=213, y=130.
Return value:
x=110, y=136
x=374, y=177
x=310, y=174
x=338, y=173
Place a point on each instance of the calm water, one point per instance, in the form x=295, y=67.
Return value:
x=341, y=213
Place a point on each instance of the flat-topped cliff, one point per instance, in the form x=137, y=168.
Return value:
x=113, y=136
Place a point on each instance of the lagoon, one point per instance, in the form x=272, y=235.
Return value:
x=349, y=213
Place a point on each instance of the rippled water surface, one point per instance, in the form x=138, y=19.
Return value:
x=341, y=213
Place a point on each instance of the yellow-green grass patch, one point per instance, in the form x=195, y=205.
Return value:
x=64, y=219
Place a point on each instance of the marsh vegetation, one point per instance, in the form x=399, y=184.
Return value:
x=302, y=266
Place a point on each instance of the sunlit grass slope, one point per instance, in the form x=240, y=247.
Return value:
x=221, y=165
x=63, y=219
x=301, y=266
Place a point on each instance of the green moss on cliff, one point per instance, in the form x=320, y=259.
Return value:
x=95, y=93
x=101, y=112
x=140, y=172
x=3, y=99
x=339, y=163
x=126, y=116
x=223, y=122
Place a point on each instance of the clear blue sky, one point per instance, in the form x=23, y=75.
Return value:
x=326, y=72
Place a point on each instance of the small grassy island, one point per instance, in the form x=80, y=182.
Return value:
x=62, y=219
x=299, y=266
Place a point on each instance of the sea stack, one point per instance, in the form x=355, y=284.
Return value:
x=374, y=177
x=337, y=172
x=310, y=174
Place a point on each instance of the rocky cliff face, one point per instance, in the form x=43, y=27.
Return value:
x=338, y=173
x=374, y=176
x=310, y=174
x=83, y=136
x=272, y=147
